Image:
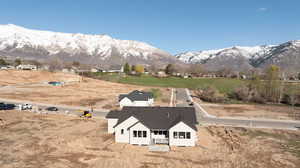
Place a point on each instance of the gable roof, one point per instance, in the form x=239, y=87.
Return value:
x=137, y=95
x=113, y=114
x=159, y=117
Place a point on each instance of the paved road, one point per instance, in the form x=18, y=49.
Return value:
x=63, y=109
x=204, y=118
x=181, y=98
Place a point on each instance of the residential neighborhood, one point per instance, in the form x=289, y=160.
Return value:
x=149, y=84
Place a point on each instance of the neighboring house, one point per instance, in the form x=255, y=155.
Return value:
x=26, y=67
x=116, y=69
x=71, y=70
x=95, y=70
x=136, y=98
x=175, y=126
x=161, y=74
x=6, y=67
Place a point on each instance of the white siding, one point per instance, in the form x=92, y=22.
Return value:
x=140, y=140
x=111, y=122
x=141, y=103
x=124, y=138
x=182, y=127
x=125, y=102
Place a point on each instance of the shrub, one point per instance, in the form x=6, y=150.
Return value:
x=248, y=94
x=156, y=92
x=211, y=94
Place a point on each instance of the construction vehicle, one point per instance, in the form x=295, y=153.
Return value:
x=86, y=114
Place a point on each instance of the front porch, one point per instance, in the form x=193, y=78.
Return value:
x=159, y=137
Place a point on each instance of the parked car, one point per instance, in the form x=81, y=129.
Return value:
x=10, y=106
x=4, y=106
x=25, y=106
x=52, y=109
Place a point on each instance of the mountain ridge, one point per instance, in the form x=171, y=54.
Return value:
x=22, y=42
x=285, y=55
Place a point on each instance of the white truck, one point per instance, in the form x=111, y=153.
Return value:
x=25, y=106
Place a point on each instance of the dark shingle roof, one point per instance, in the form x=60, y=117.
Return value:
x=158, y=117
x=137, y=96
x=113, y=114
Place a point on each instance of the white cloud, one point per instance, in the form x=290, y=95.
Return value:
x=262, y=9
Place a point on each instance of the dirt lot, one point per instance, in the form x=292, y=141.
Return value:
x=32, y=140
x=251, y=110
x=76, y=91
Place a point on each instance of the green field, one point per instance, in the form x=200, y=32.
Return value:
x=224, y=85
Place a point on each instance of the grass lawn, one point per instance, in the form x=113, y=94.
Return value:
x=222, y=84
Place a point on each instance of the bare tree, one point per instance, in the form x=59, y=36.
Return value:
x=55, y=64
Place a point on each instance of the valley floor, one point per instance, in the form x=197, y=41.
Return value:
x=77, y=91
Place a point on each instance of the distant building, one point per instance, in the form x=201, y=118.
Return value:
x=161, y=74
x=69, y=70
x=26, y=67
x=174, y=126
x=136, y=98
x=6, y=67
x=95, y=70
x=116, y=69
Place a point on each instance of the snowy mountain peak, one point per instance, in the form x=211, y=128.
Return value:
x=54, y=42
x=203, y=56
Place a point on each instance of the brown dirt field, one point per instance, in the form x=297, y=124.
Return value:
x=101, y=94
x=250, y=110
x=32, y=140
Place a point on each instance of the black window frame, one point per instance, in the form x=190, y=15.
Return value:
x=134, y=134
x=175, y=135
x=188, y=135
x=140, y=134
x=181, y=135
x=144, y=134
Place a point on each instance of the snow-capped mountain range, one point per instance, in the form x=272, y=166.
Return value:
x=16, y=41
x=22, y=42
x=285, y=55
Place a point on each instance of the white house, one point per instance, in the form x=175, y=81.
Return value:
x=175, y=126
x=26, y=67
x=116, y=69
x=136, y=98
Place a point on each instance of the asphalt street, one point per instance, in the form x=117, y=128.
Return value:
x=62, y=109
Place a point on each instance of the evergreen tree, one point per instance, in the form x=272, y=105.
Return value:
x=3, y=62
x=127, y=68
x=18, y=61
x=170, y=69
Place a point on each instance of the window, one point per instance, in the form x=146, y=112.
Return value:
x=144, y=134
x=134, y=133
x=181, y=135
x=122, y=131
x=160, y=132
x=175, y=135
x=155, y=132
x=139, y=133
x=188, y=135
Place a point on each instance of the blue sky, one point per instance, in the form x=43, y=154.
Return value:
x=172, y=25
